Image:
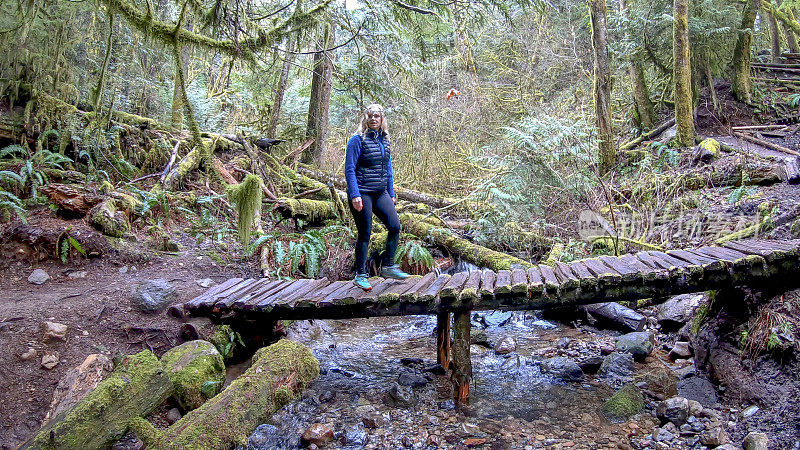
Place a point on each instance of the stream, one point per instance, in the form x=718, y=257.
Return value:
x=379, y=387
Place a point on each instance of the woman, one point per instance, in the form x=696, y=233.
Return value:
x=370, y=187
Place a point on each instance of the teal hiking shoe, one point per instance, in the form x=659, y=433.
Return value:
x=362, y=282
x=394, y=271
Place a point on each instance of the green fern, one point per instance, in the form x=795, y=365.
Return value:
x=10, y=203
x=13, y=150
x=414, y=258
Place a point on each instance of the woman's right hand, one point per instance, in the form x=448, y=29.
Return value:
x=357, y=205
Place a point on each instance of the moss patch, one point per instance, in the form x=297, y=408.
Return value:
x=196, y=370
x=627, y=402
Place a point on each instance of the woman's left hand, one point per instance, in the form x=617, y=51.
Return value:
x=394, y=200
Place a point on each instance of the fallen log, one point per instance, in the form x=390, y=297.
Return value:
x=69, y=198
x=402, y=193
x=651, y=134
x=136, y=387
x=313, y=211
x=766, y=144
x=279, y=374
x=473, y=253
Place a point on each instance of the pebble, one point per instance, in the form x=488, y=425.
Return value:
x=29, y=354
x=50, y=360
x=54, y=331
x=173, y=415
x=205, y=282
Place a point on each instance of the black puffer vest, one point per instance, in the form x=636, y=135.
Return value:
x=372, y=168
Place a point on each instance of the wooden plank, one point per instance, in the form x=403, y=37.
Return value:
x=412, y=293
x=503, y=284
x=549, y=278
x=393, y=294
x=652, y=262
x=488, y=280
x=345, y=293
x=648, y=273
x=241, y=295
x=262, y=294
x=378, y=286
x=470, y=292
x=681, y=272
x=278, y=294
x=566, y=279
x=671, y=260
x=623, y=267
x=519, y=282
x=232, y=292
x=291, y=291
x=200, y=299
x=535, y=281
x=432, y=291
x=452, y=288
x=690, y=257
x=299, y=296
x=606, y=276
x=744, y=247
x=588, y=281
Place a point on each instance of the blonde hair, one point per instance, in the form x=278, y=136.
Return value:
x=364, y=125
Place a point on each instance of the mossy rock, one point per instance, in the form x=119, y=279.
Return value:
x=225, y=340
x=795, y=228
x=197, y=371
x=627, y=402
x=712, y=146
x=110, y=221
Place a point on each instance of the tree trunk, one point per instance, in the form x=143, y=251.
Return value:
x=320, y=101
x=462, y=365
x=740, y=84
x=602, y=87
x=775, y=37
x=710, y=80
x=684, y=117
x=280, y=90
x=279, y=374
x=134, y=389
x=641, y=96
x=180, y=83
x=791, y=40
x=177, y=92
x=97, y=94
x=443, y=339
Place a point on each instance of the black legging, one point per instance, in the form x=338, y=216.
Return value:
x=381, y=204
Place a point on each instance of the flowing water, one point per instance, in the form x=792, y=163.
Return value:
x=362, y=359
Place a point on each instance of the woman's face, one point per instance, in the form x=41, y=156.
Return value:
x=374, y=119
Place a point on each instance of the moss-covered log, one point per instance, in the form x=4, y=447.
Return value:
x=402, y=193
x=135, y=388
x=473, y=253
x=279, y=374
x=314, y=211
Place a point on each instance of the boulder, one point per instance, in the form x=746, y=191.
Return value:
x=678, y=310
x=617, y=366
x=698, y=388
x=661, y=382
x=196, y=370
x=680, y=350
x=152, y=296
x=562, y=368
x=400, y=396
x=591, y=364
x=109, y=220
x=639, y=344
x=479, y=337
x=756, y=441
x=356, y=435
x=625, y=403
x=77, y=382
x=675, y=410
x=714, y=437
x=317, y=434
x=265, y=437
x=616, y=316
x=506, y=346
x=38, y=276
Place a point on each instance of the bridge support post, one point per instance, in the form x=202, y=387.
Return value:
x=443, y=339
x=462, y=366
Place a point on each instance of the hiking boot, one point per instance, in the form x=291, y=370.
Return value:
x=362, y=282
x=394, y=271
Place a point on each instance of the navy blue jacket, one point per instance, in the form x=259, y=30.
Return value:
x=368, y=164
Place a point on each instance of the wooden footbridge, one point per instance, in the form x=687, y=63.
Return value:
x=649, y=274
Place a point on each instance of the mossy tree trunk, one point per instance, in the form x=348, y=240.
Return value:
x=740, y=83
x=602, y=87
x=462, y=365
x=791, y=39
x=641, y=95
x=775, y=37
x=97, y=93
x=280, y=90
x=279, y=374
x=684, y=116
x=443, y=339
x=320, y=101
